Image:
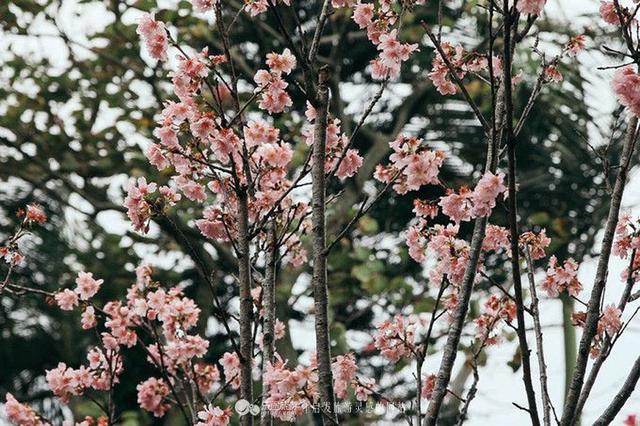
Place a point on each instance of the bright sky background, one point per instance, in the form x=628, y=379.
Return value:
x=498, y=385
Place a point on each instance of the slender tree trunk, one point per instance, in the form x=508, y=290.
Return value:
x=621, y=397
x=569, y=341
x=319, y=279
x=269, y=306
x=450, y=349
x=542, y=365
x=607, y=347
x=593, y=307
x=246, y=305
x=509, y=19
x=453, y=338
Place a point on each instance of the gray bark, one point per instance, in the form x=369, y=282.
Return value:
x=319, y=278
x=246, y=305
x=593, y=307
x=460, y=312
x=269, y=306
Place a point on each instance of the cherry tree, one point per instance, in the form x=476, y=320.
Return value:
x=222, y=140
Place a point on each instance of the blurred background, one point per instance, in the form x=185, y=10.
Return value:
x=77, y=104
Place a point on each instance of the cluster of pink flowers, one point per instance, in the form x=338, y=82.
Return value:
x=336, y=143
x=21, y=414
x=395, y=338
x=152, y=394
x=34, y=213
x=292, y=392
x=102, y=372
x=142, y=202
x=378, y=20
x=535, y=242
x=203, y=5
x=464, y=205
x=289, y=390
x=230, y=363
x=86, y=288
x=462, y=63
x=609, y=12
x=11, y=255
x=626, y=85
x=154, y=34
x=392, y=54
x=576, y=45
x=411, y=166
x=451, y=253
x=496, y=309
x=531, y=7
x=609, y=324
x=274, y=97
x=344, y=370
x=561, y=278
x=213, y=416
x=429, y=382
x=626, y=243
x=496, y=238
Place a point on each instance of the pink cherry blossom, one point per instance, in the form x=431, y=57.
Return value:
x=344, y=369
x=363, y=14
x=458, y=206
x=151, y=396
x=350, y=164
x=561, y=278
x=203, y=5
x=154, y=34
x=284, y=62
x=552, y=73
x=610, y=320
x=536, y=243
x=576, y=45
x=425, y=209
x=213, y=416
x=496, y=238
x=66, y=299
x=609, y=13
x=428, y=384
x=531, y=7
x=88, y=318
x=230, y=363
x=395, y=338
x=87, y=286
x=626, y=85
x=21, y=414
x=488, y=188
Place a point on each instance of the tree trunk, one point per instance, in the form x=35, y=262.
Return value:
x=319, y=279
x=593, y=307
x=269, y=306
x=246, y=305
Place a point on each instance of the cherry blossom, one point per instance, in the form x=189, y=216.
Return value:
x=21, y=414
x=536, y=243
x=151, y=396
x=626, y=85
x=532, y=7
x=87, y=286
x=561, y=278
x=66, y=299
x=154, y=34
x=213, y=416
